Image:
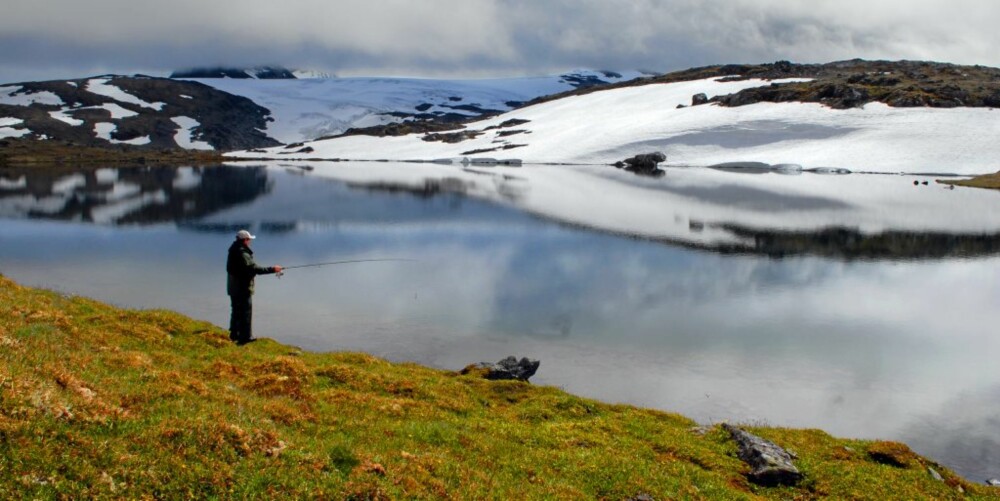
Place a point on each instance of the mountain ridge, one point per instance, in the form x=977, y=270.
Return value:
x=229, y=114
x=844, y=84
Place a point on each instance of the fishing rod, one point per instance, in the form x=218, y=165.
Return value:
x=329, y=263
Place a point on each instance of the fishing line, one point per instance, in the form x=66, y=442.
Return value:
x=329, y=263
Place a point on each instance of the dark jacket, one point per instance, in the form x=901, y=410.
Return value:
x=241, y=270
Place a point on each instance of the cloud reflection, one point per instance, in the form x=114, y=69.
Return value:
x=859, y=348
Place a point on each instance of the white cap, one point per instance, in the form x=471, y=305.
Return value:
x=243, y=235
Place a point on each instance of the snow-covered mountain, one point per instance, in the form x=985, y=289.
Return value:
x=852, y=115
x=257, y=107
x=610, y=124
x=306, y=109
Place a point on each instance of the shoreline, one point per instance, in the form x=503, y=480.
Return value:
x=273, y=402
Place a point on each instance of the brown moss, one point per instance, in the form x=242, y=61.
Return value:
x=989, y=181
x=893, y=454
x=282, y=376
x=289, y=413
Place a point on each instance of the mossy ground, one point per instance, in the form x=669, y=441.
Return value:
x=102, y=402
x=15, y=152
x=990, y=181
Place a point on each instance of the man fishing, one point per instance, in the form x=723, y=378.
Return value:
x=241, y=270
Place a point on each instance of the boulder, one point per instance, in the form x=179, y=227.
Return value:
x=934, y=474
x=770, y=465
x=508, y=368
x=699, y=98
x=994, y=482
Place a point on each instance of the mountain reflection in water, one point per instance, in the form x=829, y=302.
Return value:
x=130, y=195
x=186, y=195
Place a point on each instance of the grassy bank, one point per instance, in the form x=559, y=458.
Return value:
x=990, y=181
x=97, y=401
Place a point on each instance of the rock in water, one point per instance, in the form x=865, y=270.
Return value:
x=644, y=164
x=508, y=368
x=993, y=482
x=770, y=465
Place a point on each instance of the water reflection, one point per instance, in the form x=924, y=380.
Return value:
x=133, y=195
x=847, y=217
x=858, y=347
x=964, y=428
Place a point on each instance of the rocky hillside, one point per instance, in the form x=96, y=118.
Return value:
x=845, y=84
x=148, y=112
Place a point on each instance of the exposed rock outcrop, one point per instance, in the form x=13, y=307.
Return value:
x=769, y=464
x=508, y=368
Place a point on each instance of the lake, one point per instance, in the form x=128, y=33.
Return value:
x=864, y=305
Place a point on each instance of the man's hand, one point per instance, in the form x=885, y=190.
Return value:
x=277, y=269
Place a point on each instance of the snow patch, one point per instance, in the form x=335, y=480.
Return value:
x=6, y=132
x=184, y=136
x=117, y=111
x=609, y=125
x=8, y=121
x=105, y=129
x=62, y=116
x=71, y=84
x=185, y=96
x=103, y=87
x=9, y=96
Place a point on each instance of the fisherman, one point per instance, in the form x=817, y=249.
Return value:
x=239, y=285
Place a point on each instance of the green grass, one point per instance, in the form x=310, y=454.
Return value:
x=100, y=402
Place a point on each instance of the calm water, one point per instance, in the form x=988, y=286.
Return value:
x=862, y=305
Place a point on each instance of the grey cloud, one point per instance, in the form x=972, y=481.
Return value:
x=481, y=37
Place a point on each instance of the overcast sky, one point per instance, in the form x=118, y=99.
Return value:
x=49, y=39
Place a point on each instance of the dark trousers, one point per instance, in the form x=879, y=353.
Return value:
x=240, y=318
